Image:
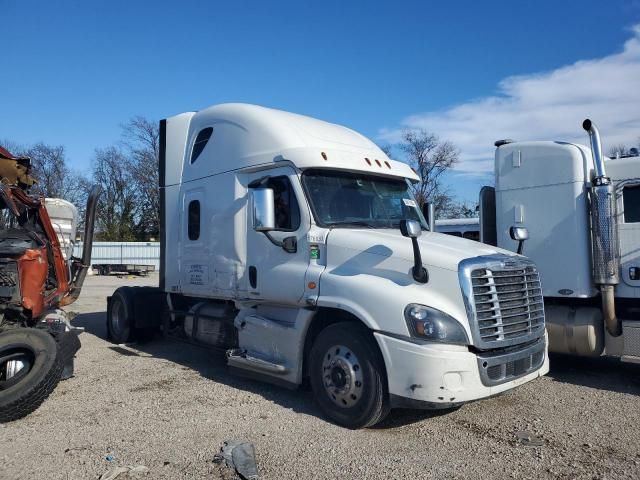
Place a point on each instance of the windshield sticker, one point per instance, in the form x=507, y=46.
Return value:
x=409, y=203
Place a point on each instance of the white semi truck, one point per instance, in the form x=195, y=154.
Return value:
x=582, y=216
x=296, y=247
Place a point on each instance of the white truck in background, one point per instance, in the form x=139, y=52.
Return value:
x=468, y=227
x=581, y=215
x=284, y=244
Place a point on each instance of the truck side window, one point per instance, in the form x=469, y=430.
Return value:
x=631, y=201
x=286, y=205
x=201, y=141
x=193, y=223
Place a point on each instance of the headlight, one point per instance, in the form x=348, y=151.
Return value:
x=431, y=324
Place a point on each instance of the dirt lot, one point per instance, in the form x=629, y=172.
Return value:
x=169, y=406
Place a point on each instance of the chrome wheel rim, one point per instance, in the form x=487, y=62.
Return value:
x=15, y=364
x=14, y=367
x=342, y=376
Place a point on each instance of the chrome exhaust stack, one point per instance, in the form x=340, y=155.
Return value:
x=79, y=268
x=604, y=233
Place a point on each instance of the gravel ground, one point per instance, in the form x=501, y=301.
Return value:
x=169, y=406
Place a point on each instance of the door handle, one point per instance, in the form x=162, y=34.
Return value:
x=288, y=244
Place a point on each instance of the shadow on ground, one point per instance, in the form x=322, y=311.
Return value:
x=602, y=373
x=212, y=365
x=94, y=323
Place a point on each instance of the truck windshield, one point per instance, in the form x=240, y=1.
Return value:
x=345, y=199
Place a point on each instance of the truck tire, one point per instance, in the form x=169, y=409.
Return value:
x=26, y=389
x=120, y=320
x=348, y=376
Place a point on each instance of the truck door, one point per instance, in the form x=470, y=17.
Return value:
x=193, y=253
x=275, y=274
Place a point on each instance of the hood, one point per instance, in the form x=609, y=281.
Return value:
x=437, y=249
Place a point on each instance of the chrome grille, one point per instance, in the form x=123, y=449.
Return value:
x=508, y=302
x=503, y=299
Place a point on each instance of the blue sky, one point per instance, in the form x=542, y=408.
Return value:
x=72, y=72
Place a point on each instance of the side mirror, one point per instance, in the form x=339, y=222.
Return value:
x=263, y=208
x=410, y=228
x=519, y=234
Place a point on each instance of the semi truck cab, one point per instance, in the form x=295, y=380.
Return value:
x=296, y=247
x=581, y=210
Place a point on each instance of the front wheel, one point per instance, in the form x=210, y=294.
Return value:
x=348, y=377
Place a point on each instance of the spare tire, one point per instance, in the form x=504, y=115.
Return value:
x=30, y=368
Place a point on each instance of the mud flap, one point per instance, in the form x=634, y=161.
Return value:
x=68, y=346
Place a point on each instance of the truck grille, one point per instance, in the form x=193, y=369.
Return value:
x=503, y=299
x=508, y=303
x=515, y=368
x=504, y=367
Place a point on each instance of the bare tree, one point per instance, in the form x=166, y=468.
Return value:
x=617, y=150
x=119, y=205
x=49, y=168
x=48, y=164
x=54, y=176
x=13, y=147
x=459, y=210
x=430, y=158
x=142, y=140
x=78, y=190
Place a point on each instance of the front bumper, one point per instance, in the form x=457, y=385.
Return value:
x=440, y=376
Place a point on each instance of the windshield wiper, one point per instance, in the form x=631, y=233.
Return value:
x=356, y=223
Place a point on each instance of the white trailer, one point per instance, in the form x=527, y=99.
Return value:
x=460, y=227
x=284, y=244
x=582, y=214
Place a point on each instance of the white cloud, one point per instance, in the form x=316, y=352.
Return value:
x=544, y=106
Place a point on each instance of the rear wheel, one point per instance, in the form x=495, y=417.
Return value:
x=120, y=320
x=348, y=377
x=30, y=368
